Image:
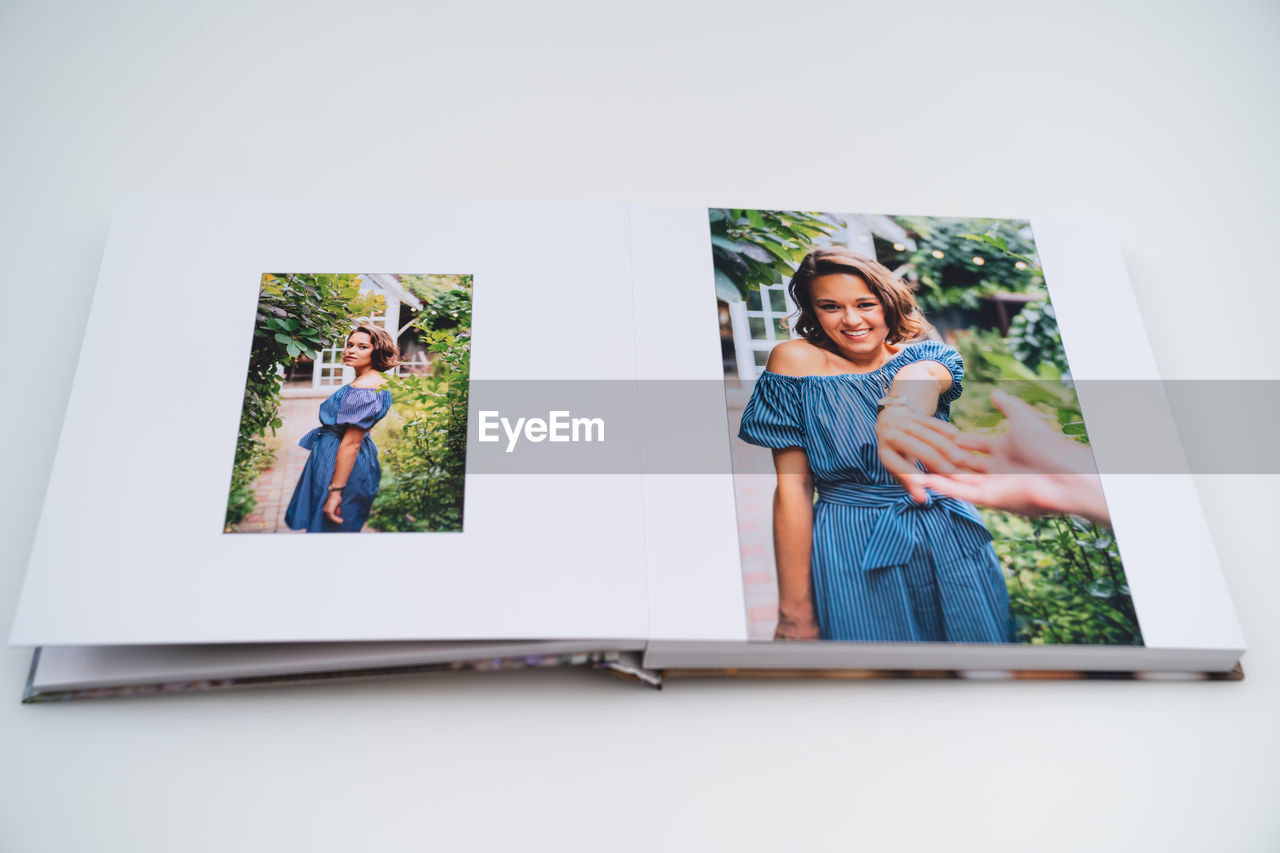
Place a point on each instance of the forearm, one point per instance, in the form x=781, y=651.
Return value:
x=793, y=547
x=348, y=449
x=921, y=385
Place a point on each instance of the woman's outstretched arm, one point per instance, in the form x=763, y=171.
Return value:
x=907, y=432
x=348, y=448
x=793, y=545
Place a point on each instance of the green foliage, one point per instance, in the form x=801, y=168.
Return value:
x=302, y=314
x=446, y=299
x=751, y=248
x=297, y=315
x=990, y=363
x=996, y=244
x=1066, y=582
x=424, y=462
x=944, y=265
x=252, y=458
x=1034, y=337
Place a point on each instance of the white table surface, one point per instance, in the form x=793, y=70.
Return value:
x=1161, y=117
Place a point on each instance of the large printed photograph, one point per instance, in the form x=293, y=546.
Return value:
x=910, y=459
x=355, y=406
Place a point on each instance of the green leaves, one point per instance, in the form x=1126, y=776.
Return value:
x=725, y=288
x=1034, y=337
x=298, y=315
x=960, y=261
x=990, y=363
x=446, y=300
x=751, y=248
x=425, y=460
x=1000, y=246
x=1065, y=580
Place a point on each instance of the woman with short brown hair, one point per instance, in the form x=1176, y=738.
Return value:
x=337, y=486
x=852, y=408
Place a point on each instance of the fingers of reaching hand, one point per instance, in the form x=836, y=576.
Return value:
x=936, y=444
x=966, y=487
x=904, y=472
x=960, y=448
x=1009, y=405
x=1020, y=414
x=970, y=441
x=919, y=449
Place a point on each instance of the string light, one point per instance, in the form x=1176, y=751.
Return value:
x=978, y=260
x=899, y=247
x=937, y=253
x=1020, y=265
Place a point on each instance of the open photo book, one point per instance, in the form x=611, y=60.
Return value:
x=310, y=440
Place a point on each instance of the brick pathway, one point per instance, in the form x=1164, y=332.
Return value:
x=274, y=486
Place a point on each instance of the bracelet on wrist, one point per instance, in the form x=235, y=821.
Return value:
x=885, y=402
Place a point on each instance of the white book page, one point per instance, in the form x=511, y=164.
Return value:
x=130, y=547
x=694, y=569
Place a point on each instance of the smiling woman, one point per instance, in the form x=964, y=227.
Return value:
x=341, y=478
x=851, y=409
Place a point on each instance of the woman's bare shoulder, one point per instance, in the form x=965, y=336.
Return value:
x=797, y=358
x=370, y=380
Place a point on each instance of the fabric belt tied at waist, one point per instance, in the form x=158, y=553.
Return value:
x=309, y=440
x=895, y=537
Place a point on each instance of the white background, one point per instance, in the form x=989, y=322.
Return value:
x=1161, y=117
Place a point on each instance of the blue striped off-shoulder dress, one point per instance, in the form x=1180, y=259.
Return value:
x=885, y=569
x=361, y=407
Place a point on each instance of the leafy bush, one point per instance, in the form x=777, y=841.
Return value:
x=1066, y=583
x=297, y=315
x=1034, y=337
x=424, y=460
x=944, y=266
x=446, y=299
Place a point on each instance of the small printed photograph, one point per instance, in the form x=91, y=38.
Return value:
x=355, y=406
x=910, y=459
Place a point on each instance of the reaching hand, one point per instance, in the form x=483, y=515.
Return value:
x=905, y=437
x=1031, y=469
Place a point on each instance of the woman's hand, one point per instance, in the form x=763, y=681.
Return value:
x=333, y=507
x=796, y=623
x=905, y=437
x=343, y=463
x=907, y=432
